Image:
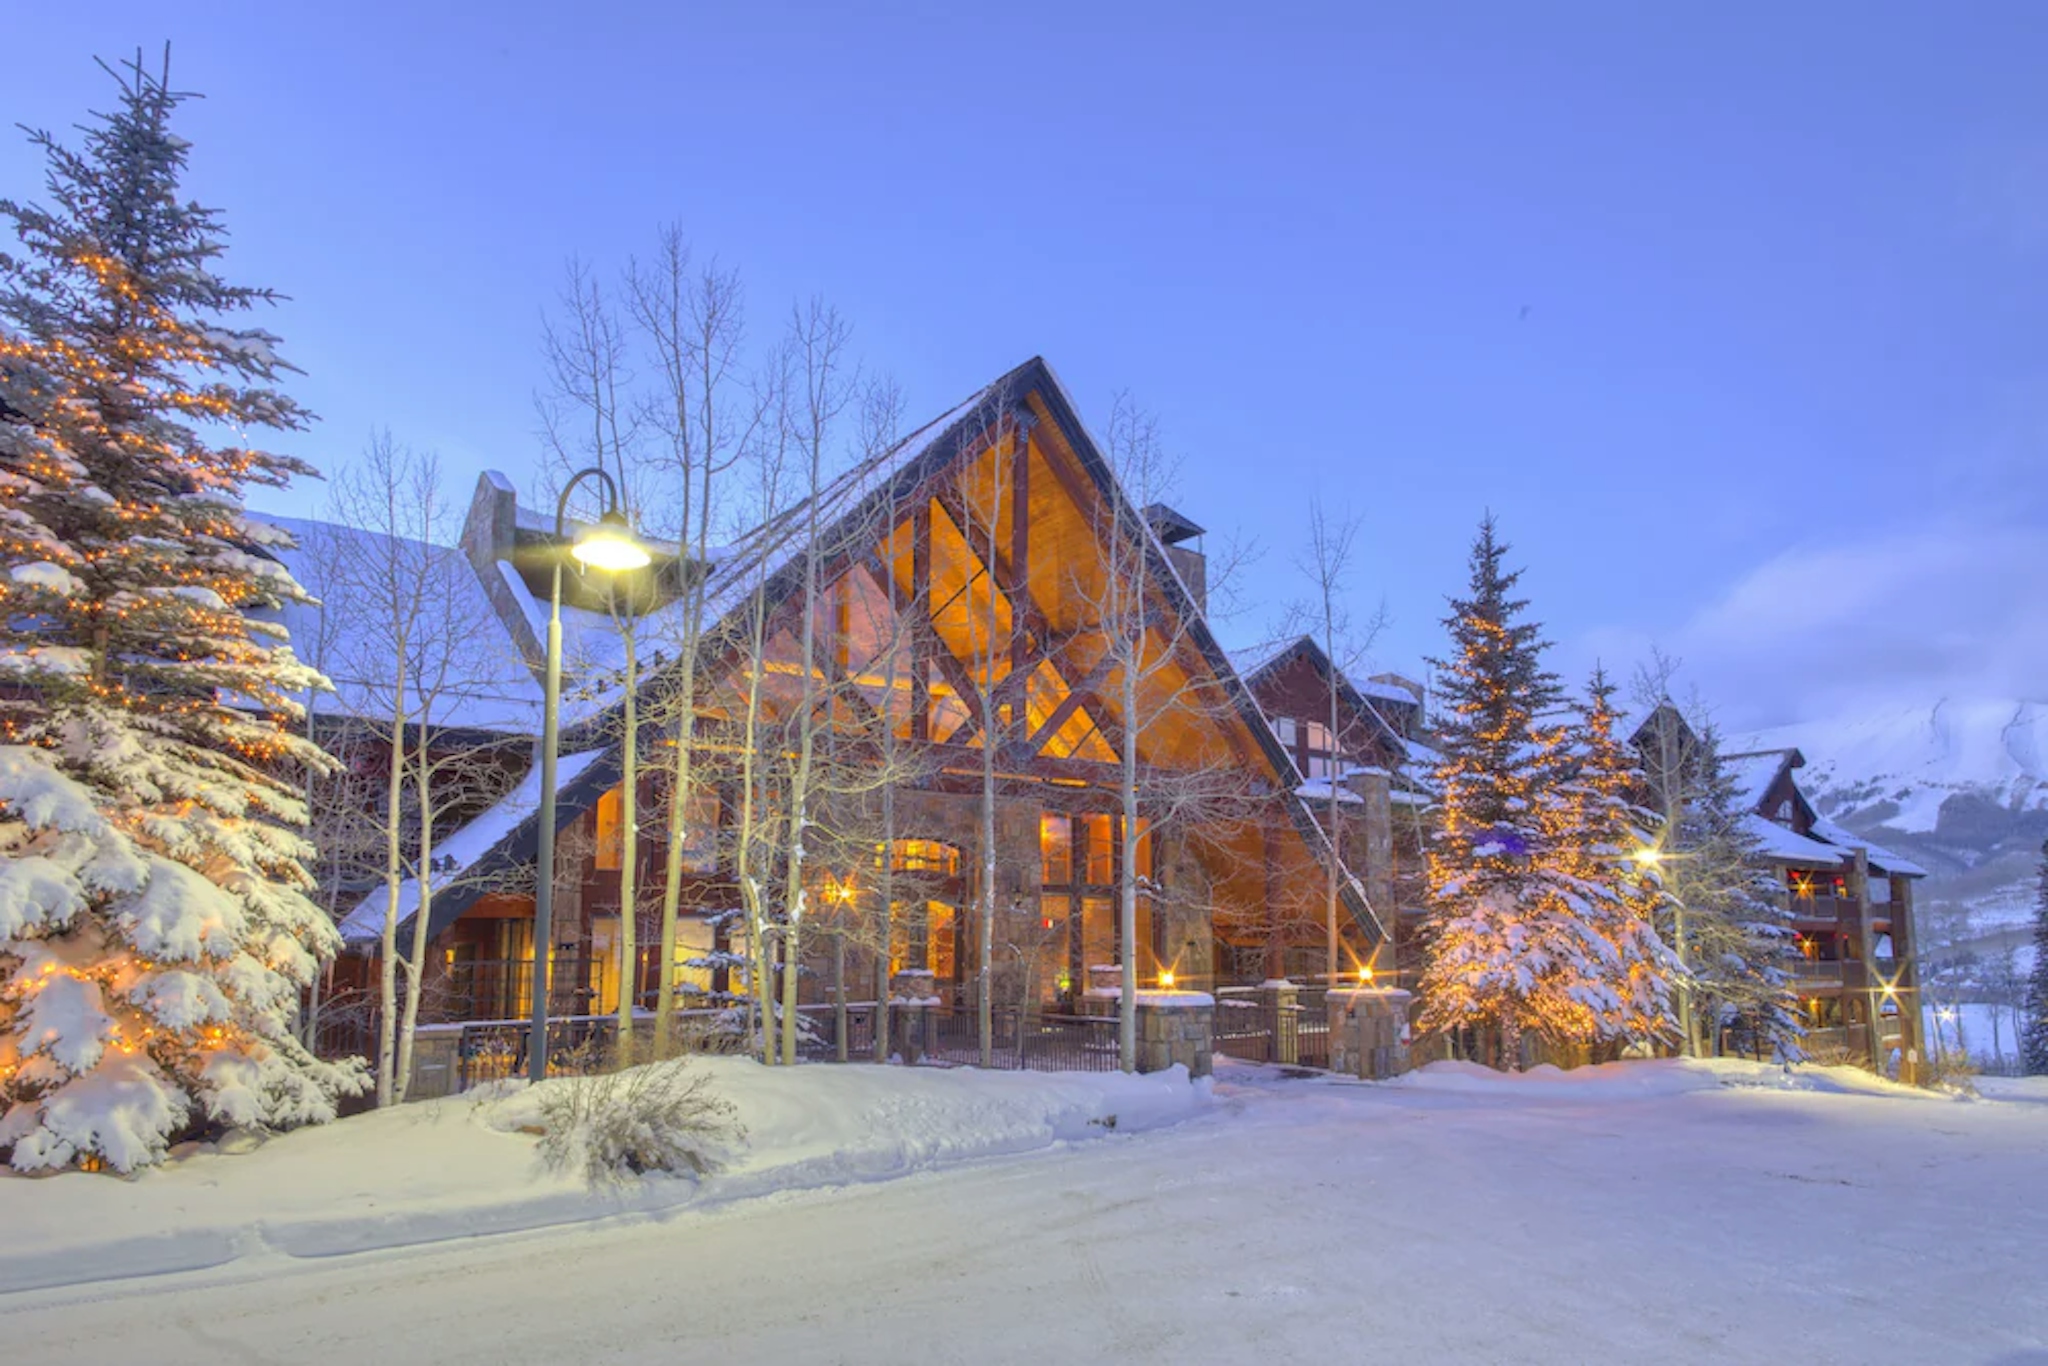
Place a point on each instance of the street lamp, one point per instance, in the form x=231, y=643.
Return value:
x=608, y=545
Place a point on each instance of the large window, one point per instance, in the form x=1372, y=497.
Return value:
x=700, y=833
x=1056, y=850
x=1084, y=849
x=611, y=831
x=1309, y=744
x=926, y=856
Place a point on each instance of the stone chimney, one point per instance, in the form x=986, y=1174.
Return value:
x=1174, y=532
x=1374, y=789
x=489, y=538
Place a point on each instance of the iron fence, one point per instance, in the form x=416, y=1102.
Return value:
x=492, y=1050
x=1019, y=1040
x=1252, y=1026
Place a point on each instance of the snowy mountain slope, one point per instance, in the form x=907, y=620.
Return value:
x=1902, y=765
x=1959, y=786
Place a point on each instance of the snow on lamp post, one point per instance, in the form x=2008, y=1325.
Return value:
x=607, y=545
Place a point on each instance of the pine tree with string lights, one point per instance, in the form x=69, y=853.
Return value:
x=2034, y=1033
x=154, y=929
x=1596, y=840
x=1502, y=948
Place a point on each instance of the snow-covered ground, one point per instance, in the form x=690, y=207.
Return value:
x=461, y=1168
x=1643, y=1212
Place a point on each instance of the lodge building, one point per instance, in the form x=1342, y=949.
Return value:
x=961, y=577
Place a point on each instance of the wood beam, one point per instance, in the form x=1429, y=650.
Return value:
x=1071, y=703
x=920, y=613
x=1020, y=545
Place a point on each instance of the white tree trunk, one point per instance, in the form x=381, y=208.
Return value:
x=387, y=962
x=416, y=960
x=1127, y=899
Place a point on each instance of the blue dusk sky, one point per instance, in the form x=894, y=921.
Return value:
x=1736, y=315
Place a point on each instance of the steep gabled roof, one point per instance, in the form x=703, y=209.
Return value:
x=769, y=559
x=1758, y=774
x=1306, y=647
x=488, y=687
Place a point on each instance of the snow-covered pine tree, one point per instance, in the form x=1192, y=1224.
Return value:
x=2034, y=1035
x=154, y=929
x=1501, y=949
x=1596, y=835
x=1724, y=914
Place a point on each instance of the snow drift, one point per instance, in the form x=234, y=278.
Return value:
x=462, y=1168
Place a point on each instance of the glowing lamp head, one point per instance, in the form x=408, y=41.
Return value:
x=1365, y=976
x=1166, y=978
x=1649, y=857
x=610, y=545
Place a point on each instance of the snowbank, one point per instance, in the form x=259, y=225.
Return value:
x=2030, y=1090
x=460, y=1168
x=1653, y=1077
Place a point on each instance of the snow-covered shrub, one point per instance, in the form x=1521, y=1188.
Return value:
x=662, y=1117
x=1951, y=1070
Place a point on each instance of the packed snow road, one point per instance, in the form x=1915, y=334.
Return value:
x=1648, y=1215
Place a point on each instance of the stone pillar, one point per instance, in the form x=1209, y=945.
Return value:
x=1374, y=787
x=1369, y=1034
x=1279, y=998
x=435, y=1062
x=1176, y=1027
x=1103, y=989
x=913, y=994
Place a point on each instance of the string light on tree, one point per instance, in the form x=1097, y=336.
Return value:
x=149, y=773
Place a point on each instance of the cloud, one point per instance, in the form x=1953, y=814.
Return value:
x=1958, y=609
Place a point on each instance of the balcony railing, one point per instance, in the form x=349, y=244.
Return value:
x=1832, y=909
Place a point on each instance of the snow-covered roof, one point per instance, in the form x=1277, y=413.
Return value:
x=592, y=643
x=1317, y=790
x=1782, y=845
x=1753, y=774
x=1881, y=859
x=1387, y=692
x=467, y=847
x=467, y=672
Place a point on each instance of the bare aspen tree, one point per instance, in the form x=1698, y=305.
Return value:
x=406, y=646
x=746, y=649
x=998, y=701
x=817, y=393
x=1325, y=563
x=692, y=325
x=589, y=418
x=1151, y=664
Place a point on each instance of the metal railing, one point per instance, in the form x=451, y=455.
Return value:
x=1030, y=1041
x=493, y=1050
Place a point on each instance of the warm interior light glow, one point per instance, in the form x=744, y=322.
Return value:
x=1166, y=978
x=1649, y=857
x=611, y=546
x=1365, y=976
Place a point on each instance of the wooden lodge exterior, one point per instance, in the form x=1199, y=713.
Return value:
x=1365, y=781
x=959, y=617
x=1853, y=953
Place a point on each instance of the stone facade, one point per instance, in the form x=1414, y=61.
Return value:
x=1369, y=1034
x=1176, y=1027
x=435, y=1058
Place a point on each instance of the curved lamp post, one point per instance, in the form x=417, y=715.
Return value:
x=610, y=546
